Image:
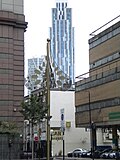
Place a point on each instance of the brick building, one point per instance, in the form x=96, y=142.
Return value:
x=97, y=97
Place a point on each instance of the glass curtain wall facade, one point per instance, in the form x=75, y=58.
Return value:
x=62, y=38
x=33, y=64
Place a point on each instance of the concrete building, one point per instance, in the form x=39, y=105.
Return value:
x=62, y=39
x=12, y=28
x=97, y=97
x=74, y=137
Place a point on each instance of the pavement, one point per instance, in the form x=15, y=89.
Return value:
x=65, y=158
x=69, y=158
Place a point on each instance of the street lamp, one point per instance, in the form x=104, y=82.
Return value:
x=90, y=119
x=47, y=72
x=61, y=77
x=48, y=100
x=91, y=125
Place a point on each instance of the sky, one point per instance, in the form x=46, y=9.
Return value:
x=87, y=16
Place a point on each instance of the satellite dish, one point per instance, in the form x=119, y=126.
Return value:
x=34, y=76
x=37, y=71
x=59, y=83
x=37, y=82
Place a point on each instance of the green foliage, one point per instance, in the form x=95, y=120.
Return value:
x=33, y=109
x=8, y=127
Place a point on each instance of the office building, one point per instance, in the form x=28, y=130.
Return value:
x=97, y=98
x=33, y=65
x=62, y=39
x=12, y=28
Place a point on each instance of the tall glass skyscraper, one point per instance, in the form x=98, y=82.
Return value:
x=62, y=38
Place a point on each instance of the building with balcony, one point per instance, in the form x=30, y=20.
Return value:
x=62, y=38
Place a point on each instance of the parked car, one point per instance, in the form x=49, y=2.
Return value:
x=87, y=154
x=103, y=147
x=97, y=153
x=76, y=152
x=106, y=154
x=114, y=154
x=82, y=152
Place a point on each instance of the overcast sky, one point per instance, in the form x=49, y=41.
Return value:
x=88, y=15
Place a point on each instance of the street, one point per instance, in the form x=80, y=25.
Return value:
x=68, y=158
x=61, y=158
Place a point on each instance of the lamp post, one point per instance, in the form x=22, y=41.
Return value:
x=50, y=69
x=61, y=76
x=90, y=119
x=48, y=100
x=90, y=125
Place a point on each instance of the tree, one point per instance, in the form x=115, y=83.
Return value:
x=34, y=111
x=8, y=127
